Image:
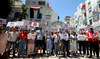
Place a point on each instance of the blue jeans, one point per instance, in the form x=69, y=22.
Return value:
x=22, y=46
x=48, y=45
x=9, y=46
x=56, y=47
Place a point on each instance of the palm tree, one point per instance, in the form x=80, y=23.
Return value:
x=23, y=14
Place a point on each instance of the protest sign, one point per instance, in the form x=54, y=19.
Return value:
x=81, y=37
x=11, y=24
x=35, y=24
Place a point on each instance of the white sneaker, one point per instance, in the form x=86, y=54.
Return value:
x=55, y=56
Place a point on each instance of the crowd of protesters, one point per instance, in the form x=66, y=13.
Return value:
x=29, y=42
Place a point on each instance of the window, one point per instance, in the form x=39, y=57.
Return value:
x=89, y=3
x=41, y=3
x=99, y=16
x=89, y=11
x=68, y=23
x=90, y=21
x=99, y=5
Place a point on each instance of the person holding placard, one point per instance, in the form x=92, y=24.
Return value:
x=13, y=35
x=23, y=40
x=31, y=42
x=81, y=39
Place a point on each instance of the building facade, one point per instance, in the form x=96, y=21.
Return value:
x=16, y=8
x=72, y=24
x=93, y=13
x=40, y=12
x=67, y=22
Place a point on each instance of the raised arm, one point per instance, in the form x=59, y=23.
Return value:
x=9, y=30
x=18, y=29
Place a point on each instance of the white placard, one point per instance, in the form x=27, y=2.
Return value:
x=3, y=21
x=11, y=24
x=35, y=24
x=81, y=37
x=19, y=23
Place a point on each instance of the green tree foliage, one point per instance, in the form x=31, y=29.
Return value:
x=23, y=14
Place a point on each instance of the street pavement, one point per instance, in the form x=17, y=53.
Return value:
x=51, y=57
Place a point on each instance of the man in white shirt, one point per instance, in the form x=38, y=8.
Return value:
x=65, y=38
x=12, y=39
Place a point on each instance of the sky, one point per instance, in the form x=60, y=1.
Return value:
x=64, y=7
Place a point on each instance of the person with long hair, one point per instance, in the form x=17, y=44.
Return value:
x=93, y=39
x=81, y=39
x=56, y=42
x=73, y=43
x=48, y=40
x=22, y=44
x=3, y=43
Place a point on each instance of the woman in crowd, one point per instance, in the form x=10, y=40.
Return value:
x=56, y=42
x=31, y=42
x=22, y=44
x=3, y=43
x=73, y=43
x=61, y=43
x=87, y=44
x=48, y=40
x=93, y=39
x=81, y=39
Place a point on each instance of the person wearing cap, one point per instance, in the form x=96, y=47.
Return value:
x=31, y=42
x=3, y=43
x=92, y=37
x=65, y=37
x=23, y=40
x=13, y=35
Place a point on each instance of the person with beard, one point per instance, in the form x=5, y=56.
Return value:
x=93, y=39
x=22, y=44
